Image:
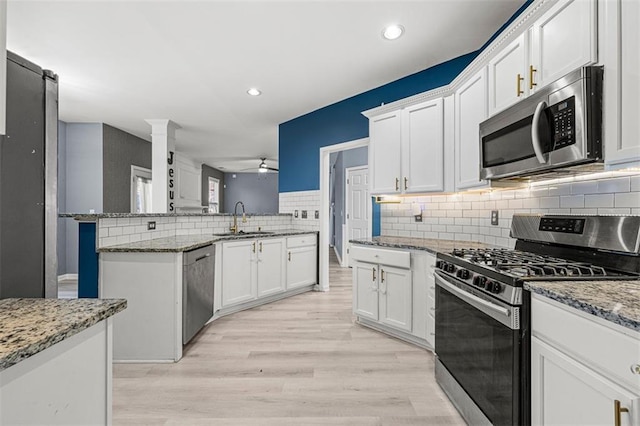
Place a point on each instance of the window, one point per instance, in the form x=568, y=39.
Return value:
x=140, y=190
x=214, y=195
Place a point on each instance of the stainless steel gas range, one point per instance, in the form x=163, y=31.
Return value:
x=483, y=314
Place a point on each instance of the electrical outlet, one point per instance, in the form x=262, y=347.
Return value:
x=494, y=217
x=304, y=214
x=295, y=213
x=317, y=215
x=151, y=225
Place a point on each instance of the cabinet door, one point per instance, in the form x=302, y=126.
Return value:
x=507, y=79
x=271, y=266
x=395, y=297
x=365, y=290
x=471, y=110
x=423, y=147
x=238, y=272
x=564, y=39
x=431, y=302
x=301, y=266
x=621, y=83
x=564, y=391
x=384, y=150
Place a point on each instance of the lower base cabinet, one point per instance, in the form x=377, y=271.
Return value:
x=582, y=372
x=391, y=290
x=302, y=261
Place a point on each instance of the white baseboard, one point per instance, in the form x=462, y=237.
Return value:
x=68, y=277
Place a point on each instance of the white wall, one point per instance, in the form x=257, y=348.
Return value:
x=466, y=216
x=302, y=200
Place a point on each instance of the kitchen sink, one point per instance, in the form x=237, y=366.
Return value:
x=243, y=234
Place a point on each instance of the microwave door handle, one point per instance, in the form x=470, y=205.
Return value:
x=535, y=135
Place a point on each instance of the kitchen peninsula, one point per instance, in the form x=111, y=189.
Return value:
x=55, y=360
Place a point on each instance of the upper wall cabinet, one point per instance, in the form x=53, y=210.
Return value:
x=422, y=147
x=470, y=111
x=407, y=149
x=508, y=80
x=620, y=43
x=562, y=40
x=384, y=152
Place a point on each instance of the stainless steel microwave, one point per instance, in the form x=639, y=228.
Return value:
x=558, y=126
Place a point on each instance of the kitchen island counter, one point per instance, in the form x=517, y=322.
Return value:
x=614, y=301
x=190, y=242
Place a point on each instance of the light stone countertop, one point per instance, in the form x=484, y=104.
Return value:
x=92, y=217
x=615, y=301
x=191, y=242
x=427, y=244
x=29, y=326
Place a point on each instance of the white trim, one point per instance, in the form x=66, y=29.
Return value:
x=345, y=229
x=335, y=250
x=325, y=152
x=514, y=30
x=67, y=277
x=137, y=171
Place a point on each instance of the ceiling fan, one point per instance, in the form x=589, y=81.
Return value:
x=263, y=167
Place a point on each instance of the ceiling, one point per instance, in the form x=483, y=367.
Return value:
x=120, y=62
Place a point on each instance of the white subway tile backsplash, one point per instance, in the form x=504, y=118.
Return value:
x=549, y=202
x=634, y=183
x=572, y=201
x=629, y=199
x=560, y=189
x=599, y=200
x=622, y=184
x=587, y=187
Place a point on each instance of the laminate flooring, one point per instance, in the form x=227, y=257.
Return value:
x=299, y=361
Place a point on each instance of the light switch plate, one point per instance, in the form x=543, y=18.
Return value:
x=494, y=217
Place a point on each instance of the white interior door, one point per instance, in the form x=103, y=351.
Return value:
x=358, y=208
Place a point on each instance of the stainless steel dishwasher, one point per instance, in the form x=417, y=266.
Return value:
x=197, y=290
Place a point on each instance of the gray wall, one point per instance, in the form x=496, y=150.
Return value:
x=208, y=172
x=343, y=160
x=62, y=197
x=83, y=180
x=258, y=192
x=121, y=150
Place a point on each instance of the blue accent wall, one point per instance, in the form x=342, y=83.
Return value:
x=302, y=137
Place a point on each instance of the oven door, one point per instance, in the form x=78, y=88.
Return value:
x=478, y=342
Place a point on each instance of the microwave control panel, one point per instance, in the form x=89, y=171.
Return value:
x=565, y=225
x=564, y=117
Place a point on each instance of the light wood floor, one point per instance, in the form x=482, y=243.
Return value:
x=300, y=361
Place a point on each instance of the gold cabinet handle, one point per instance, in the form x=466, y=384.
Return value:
x=397, y=184
x=289, y=256
x=519, y=90
x=635, y=368
x=406, y=184
x=531, y=71
x=381, y=275
x=374, y=273
x=254, y=246
x=617, y=412
x=260, y=246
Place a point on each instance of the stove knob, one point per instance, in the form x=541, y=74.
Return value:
x=463, y=273
x=488, y=284
x=493, y=286
x=450, y=267
x=440, y=264
x=479, y=281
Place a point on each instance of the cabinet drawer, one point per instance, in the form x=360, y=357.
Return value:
x=606, y=350
x=401, y=259
x=301, y=240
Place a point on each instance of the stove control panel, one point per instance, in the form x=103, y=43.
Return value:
x=469, y=277
x=562, y=224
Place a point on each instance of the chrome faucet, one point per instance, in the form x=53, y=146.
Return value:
x=234, y=228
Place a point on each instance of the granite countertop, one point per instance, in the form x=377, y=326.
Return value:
x=30, y=326
x=427, y=244
x=92, y=217
x=615, y=301
x=191, y=242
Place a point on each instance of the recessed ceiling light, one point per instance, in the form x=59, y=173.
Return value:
x=393, y=32
x=254, y=92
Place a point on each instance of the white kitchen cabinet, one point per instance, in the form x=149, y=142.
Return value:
x=430, y=334
x=471, y=110
x=239, y=275
x=507, y=74
x=302, y=261
x=384, y=153
x=621, y=107
x=252, y=269
x=423, y=147
x=579, y=370
x=394, y=290
x=271, y=266
x=562, y=40
x=390, y=291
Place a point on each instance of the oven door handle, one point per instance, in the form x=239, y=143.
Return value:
x=471, y=298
